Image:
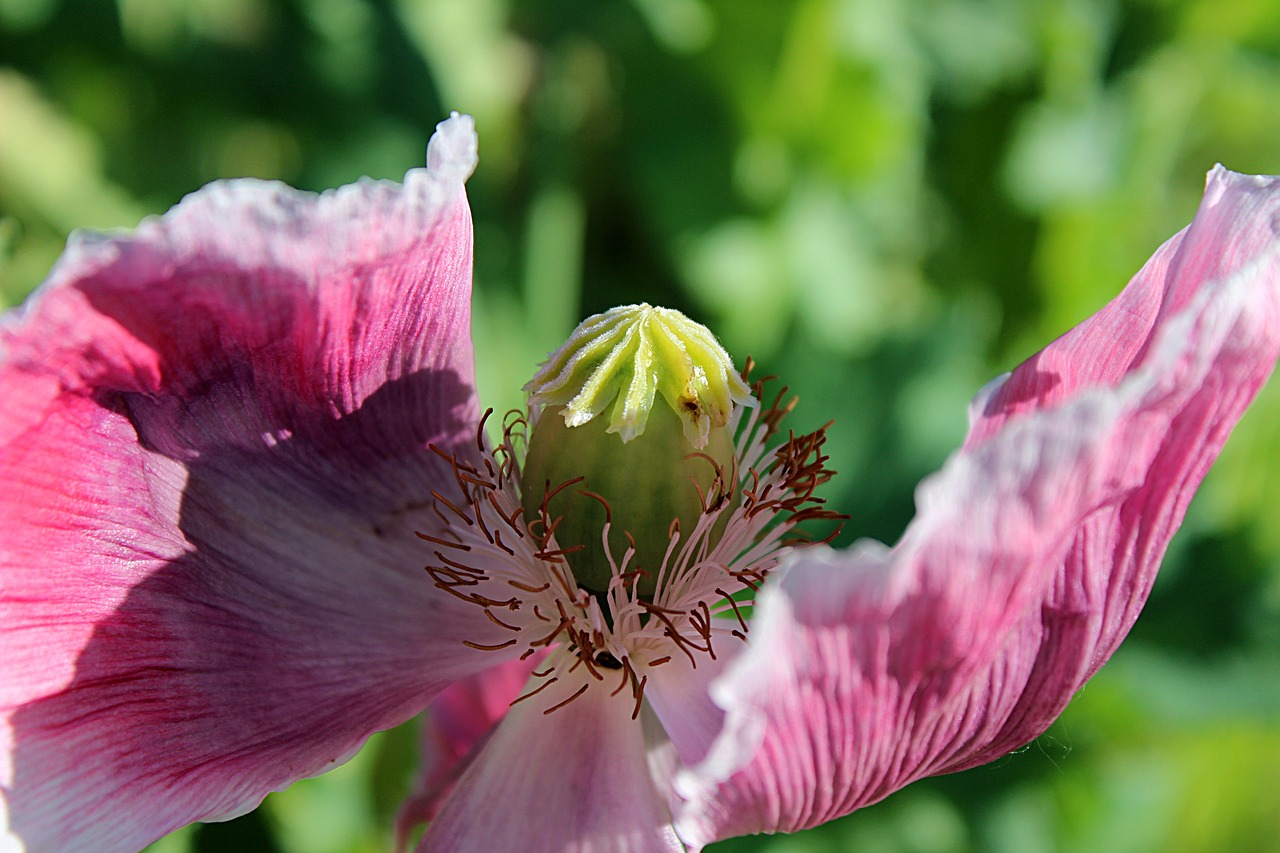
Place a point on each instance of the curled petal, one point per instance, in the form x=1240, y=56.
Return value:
x=1030, y=555
x=213, y=457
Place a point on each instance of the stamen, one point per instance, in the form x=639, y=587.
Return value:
x=448, y=543
x=462, y=515
x=639, y=689
x=551, y=637
x=480, y=429
x=628, y=677
x=463, y=567
x=671, y=631
x=608, y=512
x=577, y=693
x=551, y=493
x=586, y=655
x=513, y=520
x=557, y=553
x=493, y=648
x=734, y=605
x=483, y=528
x=530, y=589
x=497, y=540
x=495, y=620
x=536, y=690
x=700, y=619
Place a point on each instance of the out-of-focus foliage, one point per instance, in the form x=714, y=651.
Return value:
x=884, y=201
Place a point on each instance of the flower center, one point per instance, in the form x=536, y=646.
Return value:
x=615, y=553
x=518, y=576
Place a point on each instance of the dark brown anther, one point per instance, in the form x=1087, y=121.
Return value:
x=495, y=620
x=535, y=691
x=480, y=646
x=734, y=605
x=558, y=706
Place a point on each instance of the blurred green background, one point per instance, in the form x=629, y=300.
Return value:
x=885, y=202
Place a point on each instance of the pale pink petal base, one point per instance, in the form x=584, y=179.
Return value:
x=575, y=780
x=680, y=695
x=1030, y=556
x=454, y=729
x=213, y=457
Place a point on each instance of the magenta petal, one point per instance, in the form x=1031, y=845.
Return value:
x=575, y=780
x=212, y=461
x=1031, y=554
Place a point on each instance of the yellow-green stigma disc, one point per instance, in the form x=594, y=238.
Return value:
x=629, y=355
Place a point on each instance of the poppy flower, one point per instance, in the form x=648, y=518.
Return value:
x=250, y=515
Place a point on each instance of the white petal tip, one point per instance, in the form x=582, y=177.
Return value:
x=453, y=147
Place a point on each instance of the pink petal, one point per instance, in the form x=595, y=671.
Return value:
x=575, y=780
x=455, y=727
x=680, y=697
x=1032, y=552
x=212, y=461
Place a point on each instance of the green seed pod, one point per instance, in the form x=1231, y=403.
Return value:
x=647, y=467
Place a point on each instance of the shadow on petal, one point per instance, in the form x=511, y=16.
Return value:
x=285, y=619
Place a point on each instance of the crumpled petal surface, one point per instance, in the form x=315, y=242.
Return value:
x=1030, y=556
x=213, y=456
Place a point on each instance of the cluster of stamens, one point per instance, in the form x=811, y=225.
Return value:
x=491, y=555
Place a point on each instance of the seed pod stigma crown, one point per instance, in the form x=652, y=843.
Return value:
x=632, y=353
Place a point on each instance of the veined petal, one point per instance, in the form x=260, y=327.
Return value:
x=575, y=780
x=1235, y=237
x=1030, y=556
x=213, y=456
